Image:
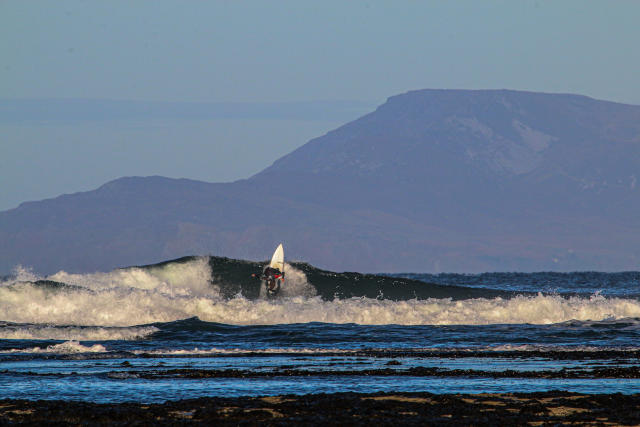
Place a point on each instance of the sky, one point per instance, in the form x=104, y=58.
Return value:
x=216, y=91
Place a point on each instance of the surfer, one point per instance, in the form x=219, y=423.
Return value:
x=273, y=273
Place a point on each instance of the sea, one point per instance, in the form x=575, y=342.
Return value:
x=202, y=326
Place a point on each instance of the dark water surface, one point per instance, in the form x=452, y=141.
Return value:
x=201, y=326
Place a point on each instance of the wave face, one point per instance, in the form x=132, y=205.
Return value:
x=108, y=306
x=233, y=277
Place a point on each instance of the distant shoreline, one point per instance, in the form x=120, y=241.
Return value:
x=352, y=408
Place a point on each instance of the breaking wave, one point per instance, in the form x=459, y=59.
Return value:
x=67, y=347
x=9, y=331
x=190, y=288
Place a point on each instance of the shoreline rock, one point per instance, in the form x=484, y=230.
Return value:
x=553, y=407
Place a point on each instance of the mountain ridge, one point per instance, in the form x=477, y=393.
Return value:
x=432, y=180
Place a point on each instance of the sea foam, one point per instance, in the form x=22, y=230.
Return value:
x=74, y=333
x=67, y=347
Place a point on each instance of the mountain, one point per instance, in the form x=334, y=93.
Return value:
x=432, y=180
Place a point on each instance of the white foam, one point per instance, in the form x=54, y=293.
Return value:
x=539, y=309
x=550, y=347
x=243, y=351
x=68, y=347
x=21, y=274
x=131, y=296
x=175, y=278
x=330, y=351
x=74, y=333
x=296, y=284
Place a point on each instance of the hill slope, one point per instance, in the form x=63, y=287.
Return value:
x=433, y=180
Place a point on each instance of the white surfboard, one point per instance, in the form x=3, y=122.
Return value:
x=277, y=260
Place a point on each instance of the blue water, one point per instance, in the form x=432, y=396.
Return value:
x=170, y=332
x=613, y=284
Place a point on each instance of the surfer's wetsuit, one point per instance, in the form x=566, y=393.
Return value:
x=271, y=275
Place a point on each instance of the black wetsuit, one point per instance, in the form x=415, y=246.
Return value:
x=270, y=275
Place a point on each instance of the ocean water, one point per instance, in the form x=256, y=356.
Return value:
x=201, y=326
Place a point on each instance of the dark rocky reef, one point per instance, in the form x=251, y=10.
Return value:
x=548, y=408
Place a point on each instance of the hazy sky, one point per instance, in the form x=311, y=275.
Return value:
x=278, y=72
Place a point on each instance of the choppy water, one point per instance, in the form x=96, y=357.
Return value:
x=201, y=326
